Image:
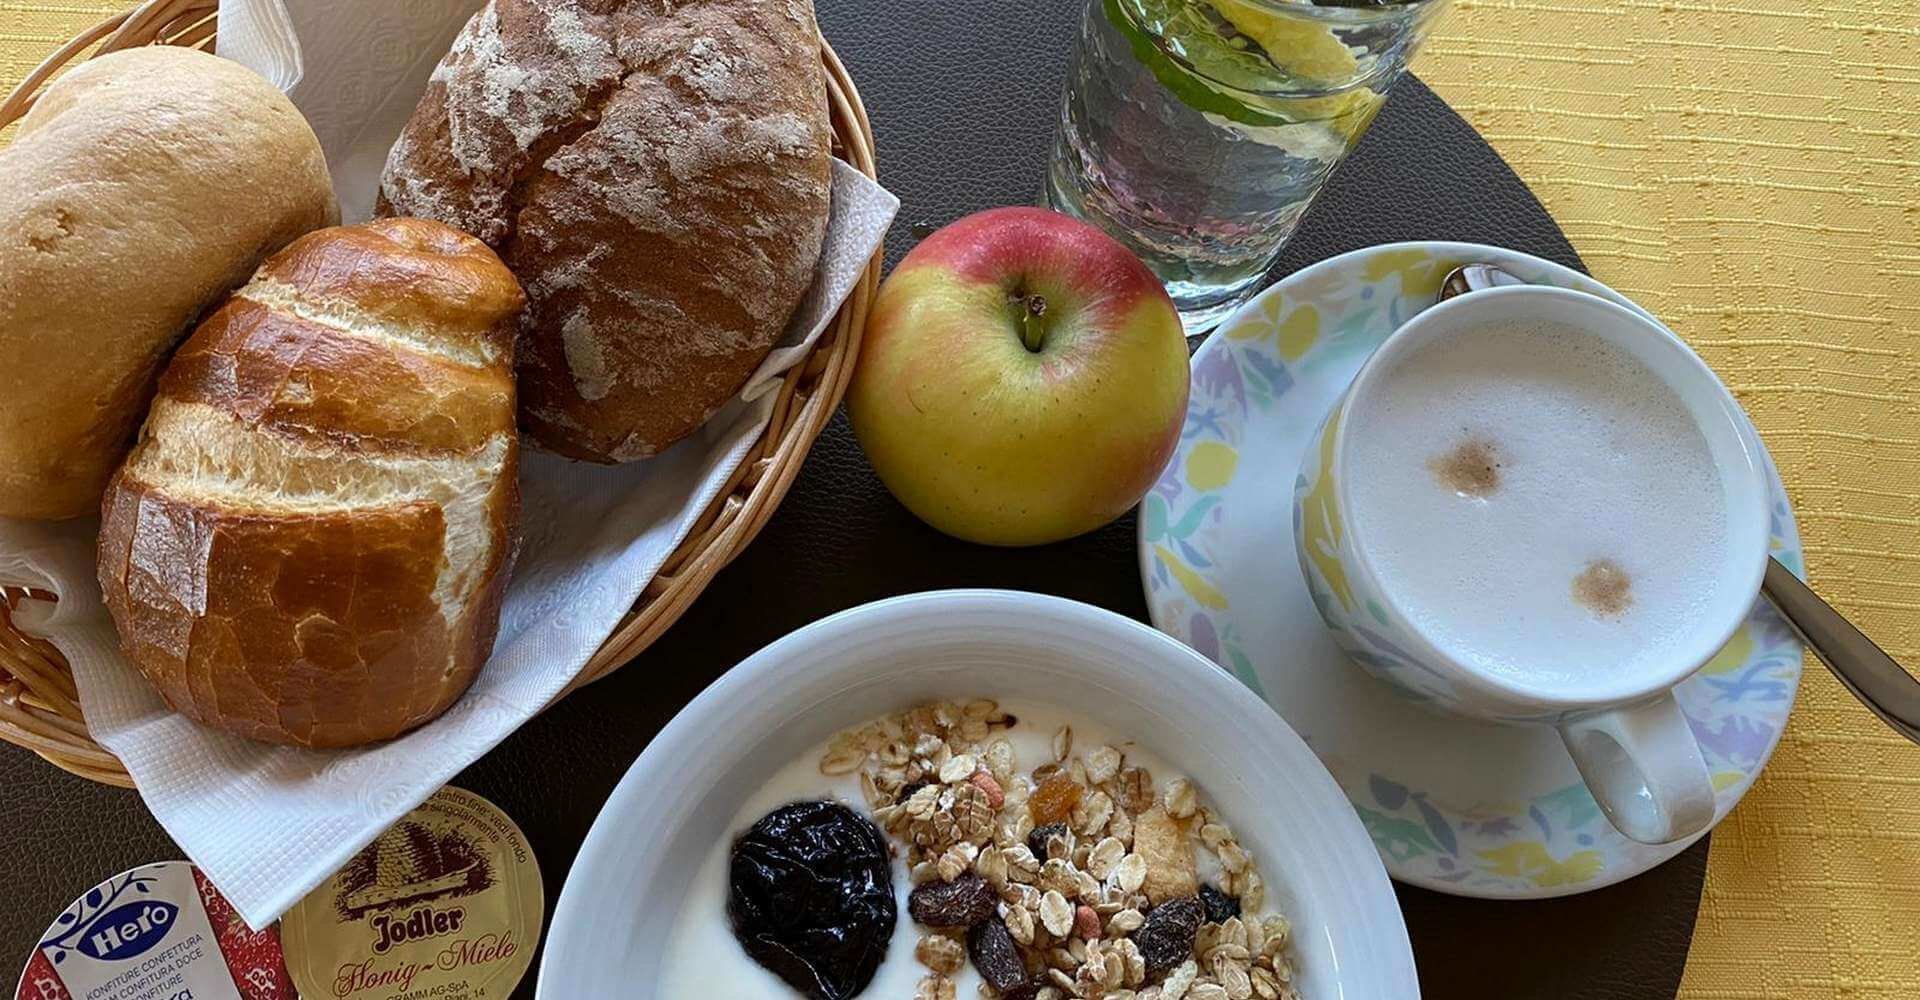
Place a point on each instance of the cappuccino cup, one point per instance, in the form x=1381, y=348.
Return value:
x=1538, y=507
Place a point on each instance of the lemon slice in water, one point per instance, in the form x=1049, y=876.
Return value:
x=1185, y=44
x=1302, y=47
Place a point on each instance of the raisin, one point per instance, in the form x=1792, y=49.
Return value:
x=1028, y=990
x=1054, y=800
x=1166, y=939
x=1037, y=840
x=996, y=956
x=963, y=902
x=1220, y=906
x=810, y=897
x=907, y=790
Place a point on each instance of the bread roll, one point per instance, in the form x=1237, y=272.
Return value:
x=310, y=541
x=142, y=187
x=656, y=173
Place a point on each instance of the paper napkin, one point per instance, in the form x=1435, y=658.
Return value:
x=266, y=823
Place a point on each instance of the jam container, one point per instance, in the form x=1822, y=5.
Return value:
x=157, y=932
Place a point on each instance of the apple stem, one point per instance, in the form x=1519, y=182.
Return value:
x=1033, y=328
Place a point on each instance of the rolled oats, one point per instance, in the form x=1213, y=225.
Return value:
x=1253, y=890
x=1019, y=921
x=998, y=757
x=924, y=802
x=1091, y=977
x=1135, y=789
x=1103, y=763
x=1180, y=980
x=957, y=861
x=1022, y=866
x=958, y=767
x=1232, y=857
x=1135, y=963
x=1125, y=922
x=1056, y=914
x=940, y=953
x=1086, y=886
x=1179, y=799
x=843, y=758
x=1104, y=856
x=1131, y=873
x=1058, y=875
x=1091, y=814
x=1235, y=980
x=1111, y=847
x=972, y=816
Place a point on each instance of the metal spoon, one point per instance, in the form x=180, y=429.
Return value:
x=1861, y=666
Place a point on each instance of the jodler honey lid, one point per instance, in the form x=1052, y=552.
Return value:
x=447, y=904
x=157, y=932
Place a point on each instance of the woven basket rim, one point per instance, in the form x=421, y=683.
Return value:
x=39, y=703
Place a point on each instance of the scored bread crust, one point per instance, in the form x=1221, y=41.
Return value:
x=310, y=541
x=656, y=173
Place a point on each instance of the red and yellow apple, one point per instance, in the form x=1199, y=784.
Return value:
x=1023, y=379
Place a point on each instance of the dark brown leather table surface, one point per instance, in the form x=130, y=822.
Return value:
x=963, y=98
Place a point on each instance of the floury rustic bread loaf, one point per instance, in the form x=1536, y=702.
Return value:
x=309, y=544
x=144, y=185
x=657, y=174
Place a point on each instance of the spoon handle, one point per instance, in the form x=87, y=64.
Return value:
x=1881, y=684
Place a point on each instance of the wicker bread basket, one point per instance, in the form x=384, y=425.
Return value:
x=39, y=704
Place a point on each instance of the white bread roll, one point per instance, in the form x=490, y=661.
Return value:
x=309, y=544
x=143, y=186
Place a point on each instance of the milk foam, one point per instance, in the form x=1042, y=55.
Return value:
x=1597, y=460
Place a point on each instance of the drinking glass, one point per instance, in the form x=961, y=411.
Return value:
x=1197, y=132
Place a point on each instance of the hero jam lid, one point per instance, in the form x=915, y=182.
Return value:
x=445, y=905
x=158, y=932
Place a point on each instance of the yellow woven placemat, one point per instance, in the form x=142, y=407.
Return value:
x=1750, y=170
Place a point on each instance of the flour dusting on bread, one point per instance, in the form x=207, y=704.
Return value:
x=655, y=173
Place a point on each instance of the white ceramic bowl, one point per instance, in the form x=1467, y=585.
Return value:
x=617, y=910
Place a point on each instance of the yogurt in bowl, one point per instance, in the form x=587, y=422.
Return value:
x=645, y=911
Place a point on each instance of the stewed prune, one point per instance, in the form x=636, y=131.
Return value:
x=811, y=897
x=1166, y=939
x=963, y=902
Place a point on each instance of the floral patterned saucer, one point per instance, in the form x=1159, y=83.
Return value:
x=1455, y=805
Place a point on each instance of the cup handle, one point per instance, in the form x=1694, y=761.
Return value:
x=1644, y=768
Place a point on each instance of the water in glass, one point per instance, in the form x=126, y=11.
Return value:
x=1198, y=131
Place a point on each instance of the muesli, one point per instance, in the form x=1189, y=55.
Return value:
x=1035, y=859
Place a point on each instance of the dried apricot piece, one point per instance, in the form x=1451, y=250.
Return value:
x=1054, y=800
